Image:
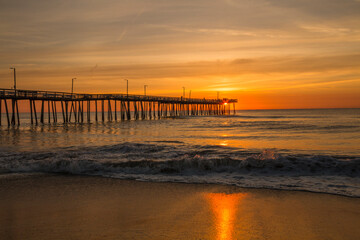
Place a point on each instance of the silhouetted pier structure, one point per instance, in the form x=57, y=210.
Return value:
x=74, y=106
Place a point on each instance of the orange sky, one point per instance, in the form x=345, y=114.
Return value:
x=268, y=54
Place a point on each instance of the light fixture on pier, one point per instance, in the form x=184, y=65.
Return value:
x=145, y=86
x=127, y=87
x=72, y=85
x=14, y=77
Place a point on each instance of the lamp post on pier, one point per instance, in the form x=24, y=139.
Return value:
x=72, y=85
x=127, y=87
x=145, y=86
x=12, y=68
x=183, y=92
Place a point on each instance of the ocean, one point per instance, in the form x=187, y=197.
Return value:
x=311, y=150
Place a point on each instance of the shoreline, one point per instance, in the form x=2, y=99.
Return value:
x=39, y=174
x=58, y=206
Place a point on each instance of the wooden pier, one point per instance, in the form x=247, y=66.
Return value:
x=77, y=107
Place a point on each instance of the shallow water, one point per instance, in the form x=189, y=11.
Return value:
x=315, y=150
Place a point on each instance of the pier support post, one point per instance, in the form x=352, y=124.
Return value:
x=154, y=110
x=62, y=110
x=13, y=112
x=48, y=111
x=17, y=112
x=66, y=111
x=7, y=112
x=135, y=110
x=88, y=111
x=53, y=111
x=150, y=106
x=42, y=112
x=35, y=112
x=142, y=109
x=81, y=111
x=109, y=111
x=128, y=110
x=102, y=108
x=96, y=111
x=115, y=111
x=71, y=107
x=158, y=110
x=122, y=110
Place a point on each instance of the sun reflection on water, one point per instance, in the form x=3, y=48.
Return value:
x=223, y=143
x=224, y=207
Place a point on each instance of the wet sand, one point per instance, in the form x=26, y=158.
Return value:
x=78, y=207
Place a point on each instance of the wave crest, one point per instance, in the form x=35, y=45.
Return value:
x=207, y=164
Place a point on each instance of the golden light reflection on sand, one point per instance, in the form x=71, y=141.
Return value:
x=224, y=207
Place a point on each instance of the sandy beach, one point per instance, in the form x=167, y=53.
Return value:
x=180, y=120
x=78, y=207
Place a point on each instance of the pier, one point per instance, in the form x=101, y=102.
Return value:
x=76, y=107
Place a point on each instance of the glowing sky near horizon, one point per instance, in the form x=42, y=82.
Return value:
x=266, y=53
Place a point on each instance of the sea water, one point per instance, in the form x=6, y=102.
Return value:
x=313, y=150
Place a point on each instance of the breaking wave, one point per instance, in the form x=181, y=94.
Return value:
x=178, y=162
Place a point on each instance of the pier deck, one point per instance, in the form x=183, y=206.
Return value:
x=124, y=106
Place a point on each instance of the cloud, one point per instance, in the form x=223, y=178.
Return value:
x=272, y=70
x=325, y=9
x=207, y=45
x=82, y=32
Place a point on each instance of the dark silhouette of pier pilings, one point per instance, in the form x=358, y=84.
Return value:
x=76, y=107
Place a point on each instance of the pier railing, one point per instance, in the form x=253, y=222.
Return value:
x=63, y=96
